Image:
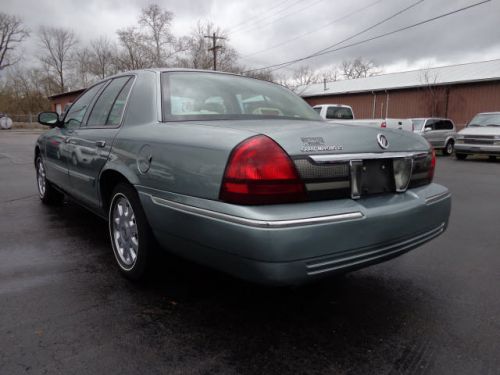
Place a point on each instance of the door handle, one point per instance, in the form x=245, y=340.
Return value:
x=100, y=144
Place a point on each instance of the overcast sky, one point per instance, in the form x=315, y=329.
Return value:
x=301, y=26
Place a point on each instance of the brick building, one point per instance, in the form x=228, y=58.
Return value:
x=456, y=91
x=58, y=102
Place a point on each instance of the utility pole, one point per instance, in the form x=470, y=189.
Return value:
x=215, y=47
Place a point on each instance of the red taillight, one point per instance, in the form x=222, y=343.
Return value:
x=432, y=166
x=383, y=124
x=260, y=172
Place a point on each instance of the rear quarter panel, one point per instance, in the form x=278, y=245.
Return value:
x=186, y=158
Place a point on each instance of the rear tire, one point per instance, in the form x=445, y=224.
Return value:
x=47, y=193
x=449, y=148
x=130, y=234
x=460, y=156
x=492, y=157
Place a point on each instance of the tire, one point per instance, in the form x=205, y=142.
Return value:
x=47, y=193
x=460, y=156
x=492, y=157
x=449, y=148
x=129, y=231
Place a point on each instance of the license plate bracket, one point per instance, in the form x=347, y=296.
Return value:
x=371, y=177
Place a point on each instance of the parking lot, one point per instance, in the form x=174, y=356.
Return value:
x=64, y=308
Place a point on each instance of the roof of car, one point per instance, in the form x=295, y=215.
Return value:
x=429, y=118
x=333, y=104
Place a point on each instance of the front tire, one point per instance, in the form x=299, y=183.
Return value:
x=130, y=234
x=47, y=193
x=460, y=156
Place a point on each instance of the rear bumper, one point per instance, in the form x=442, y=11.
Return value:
x=291, y=244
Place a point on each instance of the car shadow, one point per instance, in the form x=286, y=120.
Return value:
x=326, y=324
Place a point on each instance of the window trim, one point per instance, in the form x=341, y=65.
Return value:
x=131, y=76
x=91, y=104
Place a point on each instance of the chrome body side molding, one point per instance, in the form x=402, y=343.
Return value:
x=254, y=222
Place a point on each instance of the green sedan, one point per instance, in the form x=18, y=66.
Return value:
x=238, y=174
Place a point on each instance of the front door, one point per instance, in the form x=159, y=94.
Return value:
x=91, y=143
x=58, y=147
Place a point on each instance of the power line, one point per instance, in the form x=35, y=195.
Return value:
x=394, y=15
x=358, y=10
x=373, y=26
x=252, y=18
x=272, y=21
x=281, y=65
x=249, y=27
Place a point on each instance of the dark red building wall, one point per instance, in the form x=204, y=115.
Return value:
x=458, y=102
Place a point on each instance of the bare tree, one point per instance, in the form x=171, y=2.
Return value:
x=12, y=33
x=156, y=23
x=24, y=91
x=83, y=76
x=330, y=74
x=301, y=79
x=57, y=45
x=358, y=68
x=134, y=54
x=102, y=56
x=434, y=94
x=196, y=54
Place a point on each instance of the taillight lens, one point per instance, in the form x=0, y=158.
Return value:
x=259, y=171
x=383, y=124
x=432, y=166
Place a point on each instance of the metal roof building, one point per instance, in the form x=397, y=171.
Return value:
x=456, y=91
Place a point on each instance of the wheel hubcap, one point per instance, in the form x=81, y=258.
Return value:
x=41, y=178
x=124, y=231
x=450, y=148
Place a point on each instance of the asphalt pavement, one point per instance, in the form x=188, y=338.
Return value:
x=65, y=309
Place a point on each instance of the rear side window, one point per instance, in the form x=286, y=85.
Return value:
x=108, y=103
x=76, y=113
x=443, y=125
x=448, y=125
x=115, y=116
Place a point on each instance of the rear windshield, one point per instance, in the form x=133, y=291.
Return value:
x=486, y=119
x=212, y=96
x=343, y=113
x=417, y=124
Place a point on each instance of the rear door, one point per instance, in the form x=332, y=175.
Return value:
x=441, y=131
x=92, y=141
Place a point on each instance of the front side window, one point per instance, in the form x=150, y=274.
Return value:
x=102, y=108
x=486, y=119
x=210, y=96
x=76, y=113
x=430, y=124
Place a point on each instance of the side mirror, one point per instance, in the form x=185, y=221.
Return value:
x=49, y=119
x=427, y=129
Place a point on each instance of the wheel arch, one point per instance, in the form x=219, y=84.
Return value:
x=108, y=179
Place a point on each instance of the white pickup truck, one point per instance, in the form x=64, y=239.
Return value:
x=341, y=113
